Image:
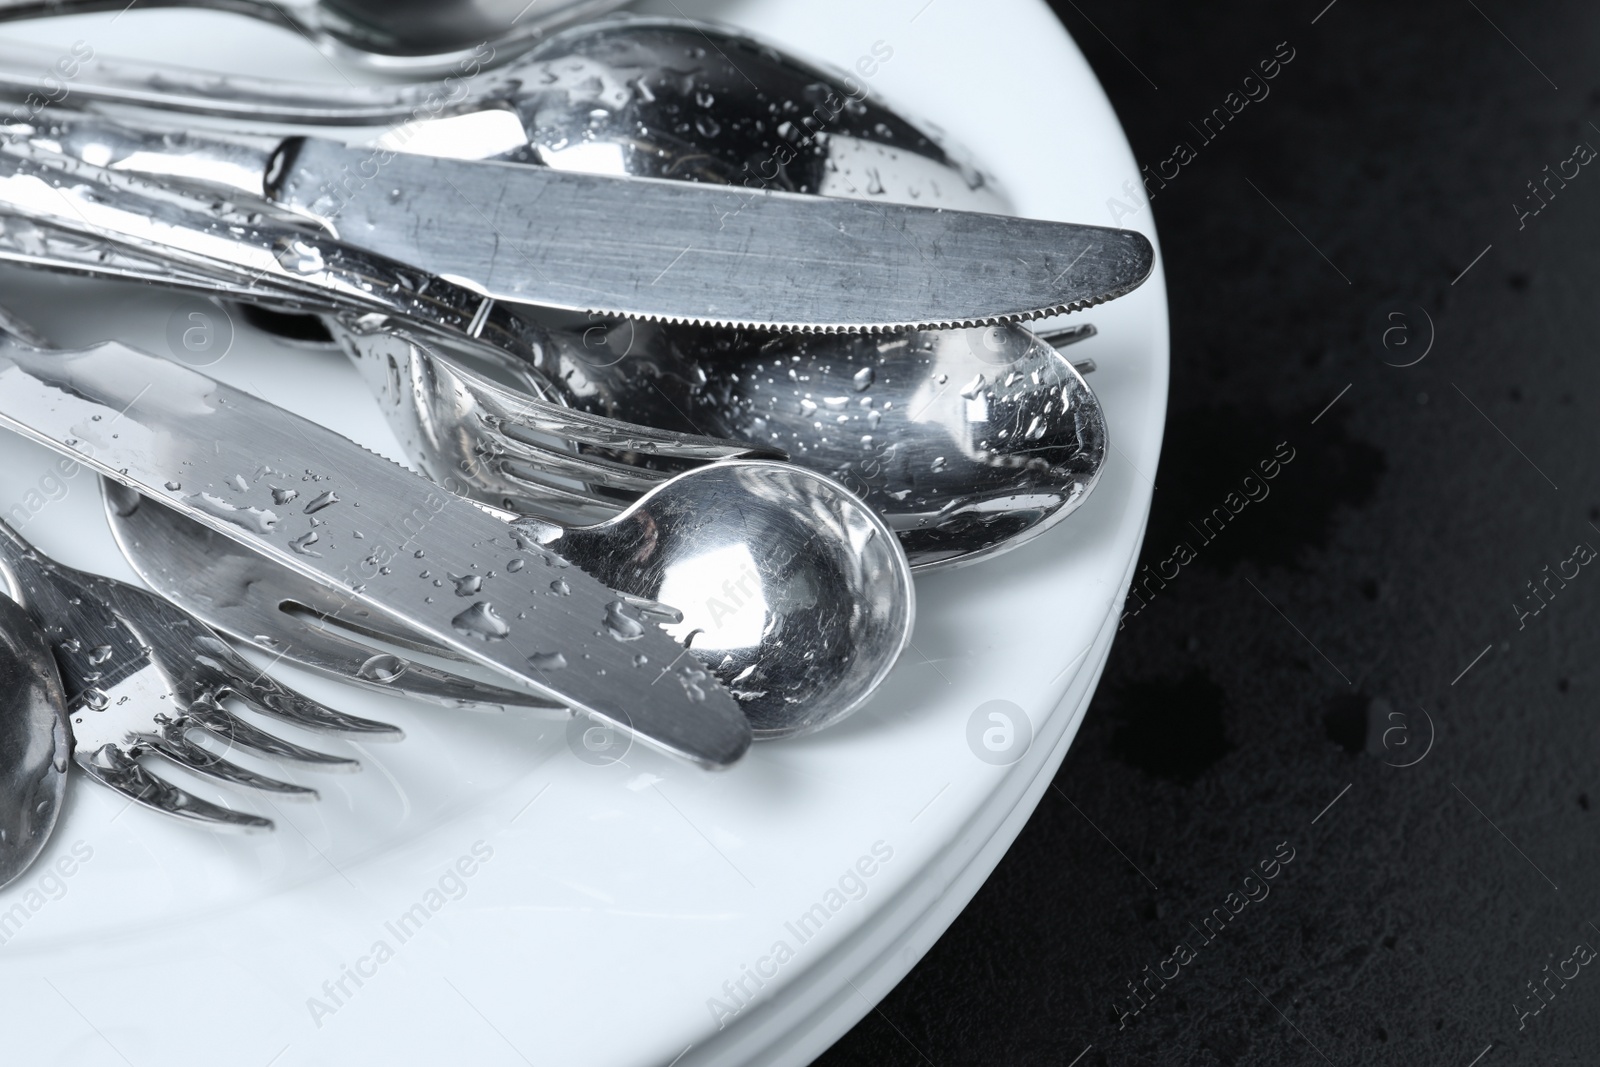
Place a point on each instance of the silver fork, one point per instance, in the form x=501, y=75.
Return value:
x=236, y=592
x=143, y=677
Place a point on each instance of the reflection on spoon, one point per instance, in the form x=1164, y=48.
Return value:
x=35, y=740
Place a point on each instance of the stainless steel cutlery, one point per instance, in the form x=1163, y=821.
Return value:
x=374, y=533
x=702, y=351
x=141, y=677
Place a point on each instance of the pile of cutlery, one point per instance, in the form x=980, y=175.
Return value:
x=700, y=353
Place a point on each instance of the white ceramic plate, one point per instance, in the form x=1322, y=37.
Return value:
x=611, y=912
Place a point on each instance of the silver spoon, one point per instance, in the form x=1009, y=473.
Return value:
x=410, y=37
x=968, y=442
x=626, y=95
x=35, y=741
x=782, y=584
x=793, y=594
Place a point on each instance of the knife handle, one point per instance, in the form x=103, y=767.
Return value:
x=241, y=245
x=233, y=165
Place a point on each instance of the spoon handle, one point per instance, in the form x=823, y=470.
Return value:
x=31, y=76
x=301, y=15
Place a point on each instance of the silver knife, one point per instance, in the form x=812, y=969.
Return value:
x=381, y=537
x=640, y=247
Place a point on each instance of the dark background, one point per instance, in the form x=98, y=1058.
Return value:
x=1398, y=143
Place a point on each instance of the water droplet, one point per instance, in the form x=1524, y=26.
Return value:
x=480, y=621
x=238, y=483
x=863, y=379
x=807, y=407
x=974, y=387
x=693, y=681
x=256, y=520
x=95, y=700
x=514, y=565
x=938, y=464
x=173, y=487
x=100, y=653
x=548, y=661
x=1036, y=428
x=622, y=626
x=71, y=644
x=320, y=502
x=560, y=588
x=382, y=668
x=303, y=543
x=640, y=660
x=467, y=584
x=299, y=255
x=283, y=496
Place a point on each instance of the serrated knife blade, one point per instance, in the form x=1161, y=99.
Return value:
x=699, y=253
x=368, y=529
x=647, y=248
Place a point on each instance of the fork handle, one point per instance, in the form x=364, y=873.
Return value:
x=241, y=242
x=70, y=616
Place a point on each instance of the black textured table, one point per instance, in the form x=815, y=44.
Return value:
x=1342, y=765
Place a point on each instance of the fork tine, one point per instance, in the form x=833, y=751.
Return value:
x=514, y=442
x=224, y=724
x=179, y=749
x=575, y=506
x=116, y=769
x=270, y=698
x=1063, y=336
x=543, y=417
x=175, y=639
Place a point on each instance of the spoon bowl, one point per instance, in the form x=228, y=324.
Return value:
x=784, y=586
x=35, y=741
x=968, y=442
x=673, y=98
